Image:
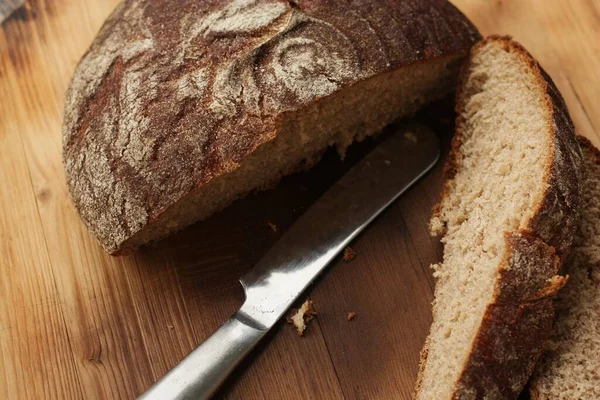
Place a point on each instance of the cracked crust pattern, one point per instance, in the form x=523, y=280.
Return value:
x=172, y=94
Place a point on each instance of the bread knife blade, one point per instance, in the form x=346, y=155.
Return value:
x=300, y=255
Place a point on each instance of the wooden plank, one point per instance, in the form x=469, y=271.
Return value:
x=75, y=323
x=35, y=353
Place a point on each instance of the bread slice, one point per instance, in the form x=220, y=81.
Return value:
x=507, y=217
x=180, y=107
x=571, y=369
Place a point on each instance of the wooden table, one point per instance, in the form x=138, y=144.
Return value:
x=76, y=323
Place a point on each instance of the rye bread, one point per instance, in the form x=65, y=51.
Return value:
x=570, y=367
x=180, y=107
x=508, y=213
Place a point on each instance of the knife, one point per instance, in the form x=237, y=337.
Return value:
x=301, y=254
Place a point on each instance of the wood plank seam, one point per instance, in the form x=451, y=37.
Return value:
x=583, y=108
x=335, y=370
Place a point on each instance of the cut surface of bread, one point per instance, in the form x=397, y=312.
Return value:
x=180, y=107
x=570, y=369
x=352, y=114
x=507, y=217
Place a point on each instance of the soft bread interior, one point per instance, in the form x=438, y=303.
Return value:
x=351, y=114
x=501, y=167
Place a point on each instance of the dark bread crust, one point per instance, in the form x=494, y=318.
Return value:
x=517, y=322
x=515, y=326
x=535, y=392
x=173, y=94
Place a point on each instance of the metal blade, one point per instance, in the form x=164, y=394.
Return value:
x=326, y=228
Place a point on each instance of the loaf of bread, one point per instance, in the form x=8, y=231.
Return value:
x=570, y=370
x=507, y=216
x=180, y=107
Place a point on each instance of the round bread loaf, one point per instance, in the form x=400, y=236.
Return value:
x=180, y=107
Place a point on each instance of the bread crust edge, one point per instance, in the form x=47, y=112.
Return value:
x=561, y=174
x=584, y=143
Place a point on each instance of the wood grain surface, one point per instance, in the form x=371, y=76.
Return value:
x=76, y=323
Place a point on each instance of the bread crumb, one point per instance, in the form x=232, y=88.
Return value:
x=301, y=317
x=272, y=226
x=171, y=327
x=410, y=137
x=351, y=316
x=349, y=254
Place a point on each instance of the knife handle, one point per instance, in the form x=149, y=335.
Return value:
x=203, y=371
